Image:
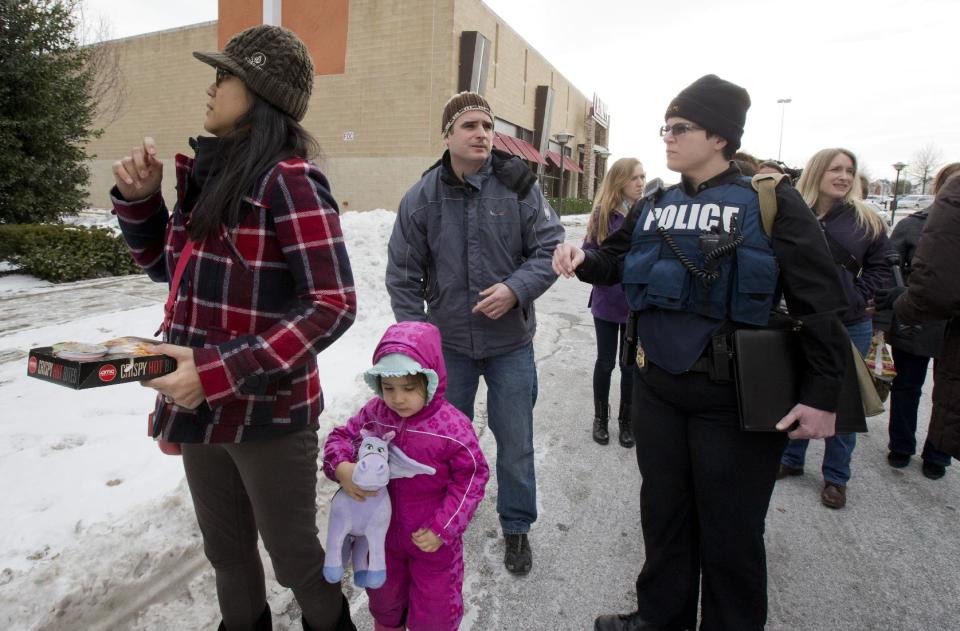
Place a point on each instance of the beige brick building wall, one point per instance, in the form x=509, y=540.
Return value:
x=516, y=69
x=378, y=122
x=166, y=99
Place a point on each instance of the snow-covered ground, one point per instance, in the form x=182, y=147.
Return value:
x=96, y=522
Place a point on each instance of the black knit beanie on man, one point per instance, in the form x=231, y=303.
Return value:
x=718, y=106
x=461, y=103
x=273, y=63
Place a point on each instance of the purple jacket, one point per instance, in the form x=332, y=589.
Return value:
x=439, y=435
x=608, y=302
x=841, y=223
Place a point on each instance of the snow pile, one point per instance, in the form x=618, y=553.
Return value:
x=95, y=519
x=98, y=526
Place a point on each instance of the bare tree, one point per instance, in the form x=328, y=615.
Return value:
x=108, y=88
x=924, y=164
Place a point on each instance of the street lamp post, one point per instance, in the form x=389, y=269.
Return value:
x=896, y=187
x=783, y=112
x=562, y=138
x=599, y=166
x=603, y=154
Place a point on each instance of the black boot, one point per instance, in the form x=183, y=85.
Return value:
x=627, y=622
x=517, y=556
x=626, y=429
x=344, y=623
x=601, y=419
x=263, y=623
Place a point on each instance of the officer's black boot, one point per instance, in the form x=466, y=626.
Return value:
x=601, y=419
x=626, y=430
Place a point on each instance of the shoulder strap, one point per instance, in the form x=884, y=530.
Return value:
x=765, y=185
x=841, y=256
x=182, y=261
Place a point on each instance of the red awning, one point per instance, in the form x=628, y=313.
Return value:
x=529, y=150
x=520, y=148
x=571, y=165
x=512, y=146
x=568, y=164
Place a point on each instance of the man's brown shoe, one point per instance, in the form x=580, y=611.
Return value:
x=833, y=495
x=784, y=471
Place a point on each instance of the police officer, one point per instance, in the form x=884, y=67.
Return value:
x=706, y=483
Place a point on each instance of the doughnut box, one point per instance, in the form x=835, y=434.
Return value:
x=80, y=365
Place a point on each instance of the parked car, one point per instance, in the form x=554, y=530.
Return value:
x=880, y=210
x=914, y=202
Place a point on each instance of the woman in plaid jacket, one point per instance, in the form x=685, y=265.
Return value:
x=260, y=283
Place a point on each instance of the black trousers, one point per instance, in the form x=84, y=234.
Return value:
x=609, y=337
x=267, y=487
x=905, y=402
x=703, y=502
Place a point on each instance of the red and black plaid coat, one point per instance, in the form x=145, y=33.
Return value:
x=257, y=302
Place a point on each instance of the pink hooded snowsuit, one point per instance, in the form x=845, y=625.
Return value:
x=423, y=590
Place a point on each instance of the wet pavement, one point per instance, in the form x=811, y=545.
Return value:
x=886, y=561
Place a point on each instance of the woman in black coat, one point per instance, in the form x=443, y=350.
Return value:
x=934, y=294
x=913, y=346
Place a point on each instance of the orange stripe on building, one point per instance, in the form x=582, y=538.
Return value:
x=234, y=16
x=321, y=24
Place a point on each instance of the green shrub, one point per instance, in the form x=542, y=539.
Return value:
x=60, y=253
x=571, y=205
x=47, y=109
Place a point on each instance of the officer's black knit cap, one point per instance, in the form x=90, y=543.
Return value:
x=273, y=63
x=716, y=105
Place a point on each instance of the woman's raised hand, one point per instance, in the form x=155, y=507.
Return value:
x=139, y=174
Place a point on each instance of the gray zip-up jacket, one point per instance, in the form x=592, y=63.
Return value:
x=453, y=239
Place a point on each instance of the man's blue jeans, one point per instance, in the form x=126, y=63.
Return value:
x=838, y=449
x=511, y=381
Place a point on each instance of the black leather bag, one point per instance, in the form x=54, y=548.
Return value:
x=768, y=367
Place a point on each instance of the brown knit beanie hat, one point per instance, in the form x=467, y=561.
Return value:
x=716, y=105
x=273, y=63
x=460, y=104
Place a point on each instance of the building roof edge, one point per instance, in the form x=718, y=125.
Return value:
x=185, y=27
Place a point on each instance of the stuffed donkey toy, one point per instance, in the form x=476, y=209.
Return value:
x=358, y=529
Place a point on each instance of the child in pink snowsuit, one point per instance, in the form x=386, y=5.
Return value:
x=424, y=547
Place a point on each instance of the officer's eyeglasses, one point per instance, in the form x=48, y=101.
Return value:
x=222, y=73
x=678, y=129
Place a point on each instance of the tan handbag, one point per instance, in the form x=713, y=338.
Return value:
x=872, y=401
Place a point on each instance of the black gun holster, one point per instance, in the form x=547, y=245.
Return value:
x=721, y=359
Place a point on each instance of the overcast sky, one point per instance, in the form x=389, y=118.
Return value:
x=879, y=77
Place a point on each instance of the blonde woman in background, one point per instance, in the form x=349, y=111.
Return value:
x=621, y=188
x=830, y=185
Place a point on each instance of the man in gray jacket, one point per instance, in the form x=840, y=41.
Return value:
x=470, y=251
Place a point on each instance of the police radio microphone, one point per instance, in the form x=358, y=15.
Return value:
x=654, y=186
x=893, y=260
